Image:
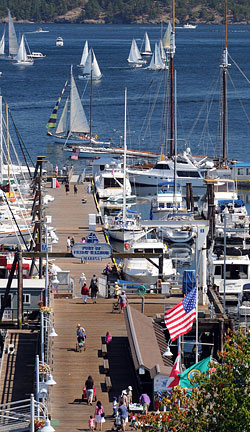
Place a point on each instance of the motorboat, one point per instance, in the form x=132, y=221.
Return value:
x=183, y=232
x=36, y=55
x=168, y=199
x=244, y=301
x=143, y=271
x=40, y=30
x=237, y=273
x=110, y=181
x=189, y=26
x=164, y=170
x=59, y=41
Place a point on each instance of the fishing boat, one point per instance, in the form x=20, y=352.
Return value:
x=73, y=125
x=143, y=271
x=59, y=41
x=22, y=58
x=91, y=69
x=135, y=59
x=84, y=55
x=146, y=51
x=156, y=62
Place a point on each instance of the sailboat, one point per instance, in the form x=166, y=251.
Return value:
x=73, y=124
x=91, y=69
x=156, y=62
x=13, y=44
x=135, y=59
x=125, y=228
x=22, y=58
x=147, y=47
x=2, y=44
x=84, y=55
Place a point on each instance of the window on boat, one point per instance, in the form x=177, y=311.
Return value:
x=181, y=160
x=240, y=171
x=111, y=182
x=158, y=250
x=8, y=304
x=188, y=174
x=161, y=166
x=233, y=271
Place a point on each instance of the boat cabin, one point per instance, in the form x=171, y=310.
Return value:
x=237, y=274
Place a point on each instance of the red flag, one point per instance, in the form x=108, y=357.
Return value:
x=174, y=378
x=57, y=184
x=179, y=319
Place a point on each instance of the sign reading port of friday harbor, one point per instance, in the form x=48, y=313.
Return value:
x=91, y=251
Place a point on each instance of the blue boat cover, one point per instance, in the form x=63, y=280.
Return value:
x=188, y=281
x=237, y=203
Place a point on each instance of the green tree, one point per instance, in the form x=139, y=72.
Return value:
x=221, y=402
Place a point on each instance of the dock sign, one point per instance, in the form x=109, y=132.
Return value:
x=91, y=251
x=92, y=238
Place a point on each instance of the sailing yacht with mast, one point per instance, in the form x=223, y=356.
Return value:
x=73, y=125
x=156, y=62
x=91, y=69
x=22, y=59
x=135, y=59
x=13, y=44
x=84, y=55
x=147, y=47
x=2, y=44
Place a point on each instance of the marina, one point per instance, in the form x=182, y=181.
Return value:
x=112, y=245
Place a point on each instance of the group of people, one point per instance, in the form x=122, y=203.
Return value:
x=70, y=243
x=92, y=289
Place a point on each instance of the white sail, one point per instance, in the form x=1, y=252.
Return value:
x=92, y=65
x=156, y=60
x=13, y=45
x=162, y=52
x=96, y=73
x=147, y=47
x=134, y=54
x=2, y=43
x=21, y=53
x=166, y=40
x=63, y=124
x=78, y=120
x=84, y=54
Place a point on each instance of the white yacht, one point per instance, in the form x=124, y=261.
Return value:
x=59, y=41
x=183, y=233
x=168, y=199
x=143, y=271
x=163, y=170
x=126, y=228
x=237, y=273
x=109, y=182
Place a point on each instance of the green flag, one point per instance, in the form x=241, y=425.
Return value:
x=195, y=370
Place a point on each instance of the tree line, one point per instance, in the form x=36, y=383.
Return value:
x=126, y=11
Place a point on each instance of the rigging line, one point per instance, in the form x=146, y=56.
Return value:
x=239, y=99
x=241, y=71
x=21, y=142
x=24, y=242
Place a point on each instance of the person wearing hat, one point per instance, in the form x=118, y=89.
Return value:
x=80, y=333
x=129, y=394
x=123, y=398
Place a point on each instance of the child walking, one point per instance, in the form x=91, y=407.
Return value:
x=115, y=404
x=91, y=423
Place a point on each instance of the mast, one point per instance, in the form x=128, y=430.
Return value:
x=172, y=52
x=91, y=96
x=224, y=66
x=124, y=159
x=1, y=138
x=175, y=137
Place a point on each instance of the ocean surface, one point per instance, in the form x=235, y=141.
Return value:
x=32, y=91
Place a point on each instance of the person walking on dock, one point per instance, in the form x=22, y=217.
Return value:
x=67, y=188
x=123, y=301
x=75, y=189
x=89, y=384
x=123, y=412
x=68, y=244
x=93, y=288
x=85, y=293
x=99, y=415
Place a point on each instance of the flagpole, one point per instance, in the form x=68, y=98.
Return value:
x=196, y=324
x=179, y=351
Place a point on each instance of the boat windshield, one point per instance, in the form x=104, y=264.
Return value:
x=233, y=271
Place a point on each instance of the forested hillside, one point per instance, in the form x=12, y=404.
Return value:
x=124, y=11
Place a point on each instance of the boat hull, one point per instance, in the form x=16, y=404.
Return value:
x=140, y=270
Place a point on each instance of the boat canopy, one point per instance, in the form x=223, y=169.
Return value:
x=237, y=203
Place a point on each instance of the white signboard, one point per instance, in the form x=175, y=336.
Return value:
x=91, y=251
x=160, y=383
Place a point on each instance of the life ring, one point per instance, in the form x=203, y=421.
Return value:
x=127, y=245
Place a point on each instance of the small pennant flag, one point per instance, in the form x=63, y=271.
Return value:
x=174, y=377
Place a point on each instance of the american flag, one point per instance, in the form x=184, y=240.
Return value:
x=179, y=319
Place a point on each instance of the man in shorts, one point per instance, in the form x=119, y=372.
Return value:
x=145, y=401
x=123, y=413
x=123, y=301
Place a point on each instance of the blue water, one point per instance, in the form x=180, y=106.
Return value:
x=31, y=92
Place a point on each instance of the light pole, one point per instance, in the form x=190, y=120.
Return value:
x=52, y=333
x=45, y=370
